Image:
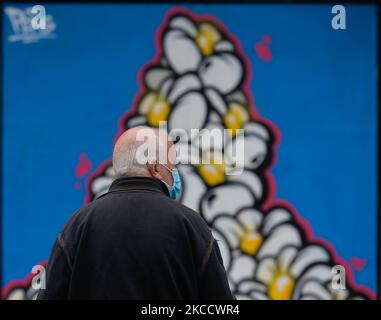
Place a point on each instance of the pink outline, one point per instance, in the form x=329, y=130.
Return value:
x=270, y=200
x=311, y=239
x=20, y=283
x=272, y=187
x=93, y=176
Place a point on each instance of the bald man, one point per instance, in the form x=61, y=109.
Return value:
x=137, y=241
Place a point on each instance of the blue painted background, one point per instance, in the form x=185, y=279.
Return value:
x=64, y=96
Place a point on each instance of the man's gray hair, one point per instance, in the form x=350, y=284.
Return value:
x=125, y=162
x=131, y=156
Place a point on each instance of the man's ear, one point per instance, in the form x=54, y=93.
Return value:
x=152, y=168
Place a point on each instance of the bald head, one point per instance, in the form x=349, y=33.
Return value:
x=138, y=147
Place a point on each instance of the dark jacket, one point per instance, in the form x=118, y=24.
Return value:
x=134, y=242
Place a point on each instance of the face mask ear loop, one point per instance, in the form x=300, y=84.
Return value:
x=168, y=186
x=166, y=168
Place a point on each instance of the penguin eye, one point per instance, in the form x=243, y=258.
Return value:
x=211, y=198
x=206, y=65
x=256, y=161
x=255, y=151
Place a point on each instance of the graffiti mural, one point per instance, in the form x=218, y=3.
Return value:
x=199, y=79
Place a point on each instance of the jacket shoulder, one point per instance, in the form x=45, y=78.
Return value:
x=73, y=228
x=196, y=221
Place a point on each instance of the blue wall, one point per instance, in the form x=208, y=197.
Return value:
x=64, y=96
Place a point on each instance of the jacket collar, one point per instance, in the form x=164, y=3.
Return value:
x=138, y=183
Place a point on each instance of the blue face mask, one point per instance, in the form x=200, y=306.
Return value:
x=175, y=189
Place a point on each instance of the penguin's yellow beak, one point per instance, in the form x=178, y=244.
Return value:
x=281, y=286
x=212, y=169
x=207, y=36
x=250, y=241
x=235, y=118
x=155, y=107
